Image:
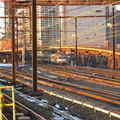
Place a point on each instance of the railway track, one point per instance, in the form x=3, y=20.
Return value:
x=22, y=112
x=88, y=74
x=27, y=113
x=104, y=95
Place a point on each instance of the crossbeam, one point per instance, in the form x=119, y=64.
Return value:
x=48, y=17
x=75, y=2
x=68, y=2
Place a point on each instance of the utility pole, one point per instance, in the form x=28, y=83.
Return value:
x=60, y=35
x=17, y=42
x=76, y=40
x=13, y=45
x=34, y=46
x=113, y=34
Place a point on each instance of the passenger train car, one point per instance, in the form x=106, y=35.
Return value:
x=53, y=58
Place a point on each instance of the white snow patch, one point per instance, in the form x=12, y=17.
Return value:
x=57, y=117
x=40, y=104
x=57, y=106
x=8, y=65
x=30, y=100
x=8, y=89
x=21, y=95
x=39, y=71
x=66, y=108
x=45, y=101
x=2, y=80
x=51, y=76
x=76, y=118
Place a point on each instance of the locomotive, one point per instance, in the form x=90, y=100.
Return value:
x=53, y=58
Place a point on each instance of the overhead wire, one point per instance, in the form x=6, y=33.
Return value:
x=94, y=40
x=95, y=26
x=53, y=7
x=78, y=15
x=59, y=22
x=101, y=37
x=69, y=18
x=98, y=27
x=87, y=19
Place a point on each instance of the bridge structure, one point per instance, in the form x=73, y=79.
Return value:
x=33, y=17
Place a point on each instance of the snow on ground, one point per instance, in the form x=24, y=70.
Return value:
x=5, y=65
x=8, y=65
x=50, y=76
x=57, y=117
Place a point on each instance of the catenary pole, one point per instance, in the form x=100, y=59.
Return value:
x=76, y=40
x=34, y=46
x=113, y=34
x=13, y=45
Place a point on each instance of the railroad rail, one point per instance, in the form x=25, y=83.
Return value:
x=37, y=102
x=4, y=118
x=22, y=112
x=88, y=74
x=73, y=75
x=61, y=85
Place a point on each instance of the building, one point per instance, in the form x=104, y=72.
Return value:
x=114, y=27
x=56, y=25
x=50, y=27
x=117, y=26
x=91, y=31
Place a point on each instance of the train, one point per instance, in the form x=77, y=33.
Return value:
x=53, y=58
